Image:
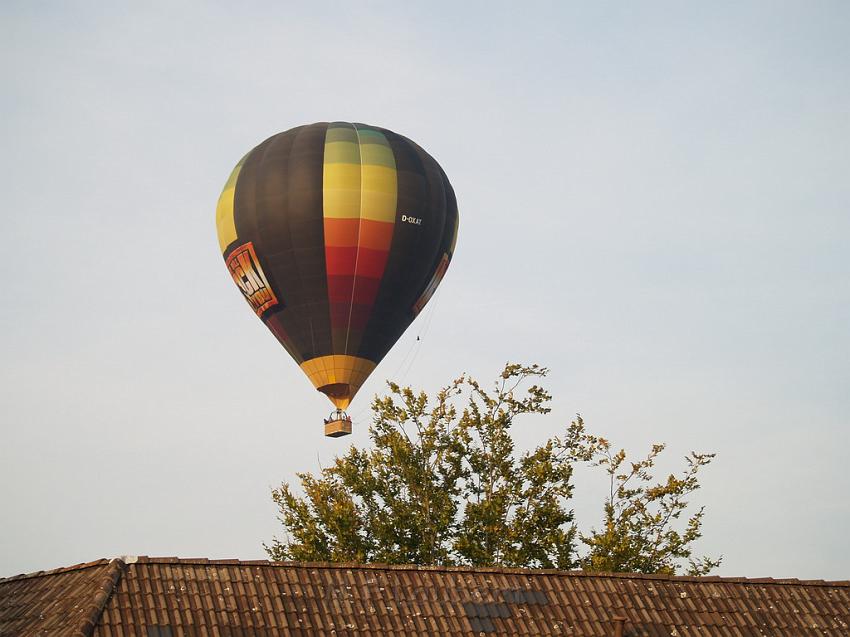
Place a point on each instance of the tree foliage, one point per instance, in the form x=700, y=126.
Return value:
x=442, y=484
x=638, y=534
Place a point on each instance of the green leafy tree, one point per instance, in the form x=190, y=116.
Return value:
x=638, y=534
x=442, y=484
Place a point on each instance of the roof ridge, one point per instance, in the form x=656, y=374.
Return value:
x=56, y=571
x=203, y=561
x=106, y=586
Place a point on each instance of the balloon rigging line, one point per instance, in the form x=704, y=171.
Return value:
x=414, y=348
x=424, y=333
x=415, y=344
x=359, y=228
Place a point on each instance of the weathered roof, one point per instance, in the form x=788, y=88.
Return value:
x=65, y=601
x=170, y=597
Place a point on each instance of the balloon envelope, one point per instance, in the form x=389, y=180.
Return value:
x=337, y=235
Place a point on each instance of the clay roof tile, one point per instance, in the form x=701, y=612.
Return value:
x=193, y=596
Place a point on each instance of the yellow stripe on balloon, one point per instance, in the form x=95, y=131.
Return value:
x=224, y=221
x=341, y=190
x=379, y=193
x=345, y=373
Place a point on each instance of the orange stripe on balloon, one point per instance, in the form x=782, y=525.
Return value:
x=341, y=233
x=374, y=235
x=359, y=178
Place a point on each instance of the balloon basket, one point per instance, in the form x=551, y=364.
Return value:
x=339, y=424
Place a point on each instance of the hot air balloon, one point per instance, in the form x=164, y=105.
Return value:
x=337, y=235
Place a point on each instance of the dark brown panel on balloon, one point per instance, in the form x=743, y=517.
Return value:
x=304, y=216
x=278, y=206
x=414, y=252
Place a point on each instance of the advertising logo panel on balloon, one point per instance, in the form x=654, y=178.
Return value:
x=249, y=276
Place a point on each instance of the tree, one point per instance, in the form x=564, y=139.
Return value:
x=442, y=484
x=638, y=535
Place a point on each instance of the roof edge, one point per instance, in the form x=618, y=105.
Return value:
x=56, y=571
x=106, y=585
x=202, y=561
x=125, y=560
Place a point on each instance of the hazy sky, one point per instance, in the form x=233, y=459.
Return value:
x=654, y=200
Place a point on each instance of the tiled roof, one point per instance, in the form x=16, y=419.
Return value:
x=170, y=597
x=66, y=601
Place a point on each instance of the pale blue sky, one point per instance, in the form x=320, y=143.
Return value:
x=655, y=203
